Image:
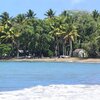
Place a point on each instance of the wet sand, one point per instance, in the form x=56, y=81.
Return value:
x=67, y=59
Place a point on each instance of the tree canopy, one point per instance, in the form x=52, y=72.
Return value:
x=26, y=35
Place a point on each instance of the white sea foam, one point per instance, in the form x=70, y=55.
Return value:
x=54, y=92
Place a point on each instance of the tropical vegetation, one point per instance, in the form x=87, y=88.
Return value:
x=26, y=35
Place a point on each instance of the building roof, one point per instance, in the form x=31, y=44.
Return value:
x=78, y=50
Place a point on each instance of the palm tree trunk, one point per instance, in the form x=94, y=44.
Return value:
x=58, y=48
x=63, y=49
x=56, y=53
x=17, y=53
x=18, y=49
x=71, y=47
x=80, y=43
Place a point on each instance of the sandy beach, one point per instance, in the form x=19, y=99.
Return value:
x=54, y=92
x=67, y=59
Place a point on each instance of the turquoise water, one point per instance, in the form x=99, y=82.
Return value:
x=19, y=75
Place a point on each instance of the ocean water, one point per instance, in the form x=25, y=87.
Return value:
x=20, y=75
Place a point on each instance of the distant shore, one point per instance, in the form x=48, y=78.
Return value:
x=47, y=59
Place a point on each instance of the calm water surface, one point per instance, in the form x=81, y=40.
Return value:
x=19, y=75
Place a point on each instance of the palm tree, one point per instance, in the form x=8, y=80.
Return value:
x=95, y=14
x=64, y=13
x=50, y=13
x=4, y=17
x=20, y=18
x=58, y=28
x=18, y=28
x=10, y=35
x=30, y=14
x=71, y=36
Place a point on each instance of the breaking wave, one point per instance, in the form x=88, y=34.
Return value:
x=54, y=92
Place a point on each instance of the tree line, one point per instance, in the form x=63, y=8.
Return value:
x=27, y=35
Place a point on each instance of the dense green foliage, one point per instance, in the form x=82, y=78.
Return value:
x=26, y=35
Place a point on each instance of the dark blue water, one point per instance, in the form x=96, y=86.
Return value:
x=18, y=75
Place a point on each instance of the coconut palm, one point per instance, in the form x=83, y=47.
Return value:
x=71, y=36
x=95, y=14
x=4, y=17
x=10, y=35
x=30, y=14
x=58, y=28
x=50, y=13
x=20, y=18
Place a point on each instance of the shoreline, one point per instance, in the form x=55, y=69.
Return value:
x=46, y=59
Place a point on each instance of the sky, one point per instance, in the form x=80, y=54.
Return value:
x=14, y=7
